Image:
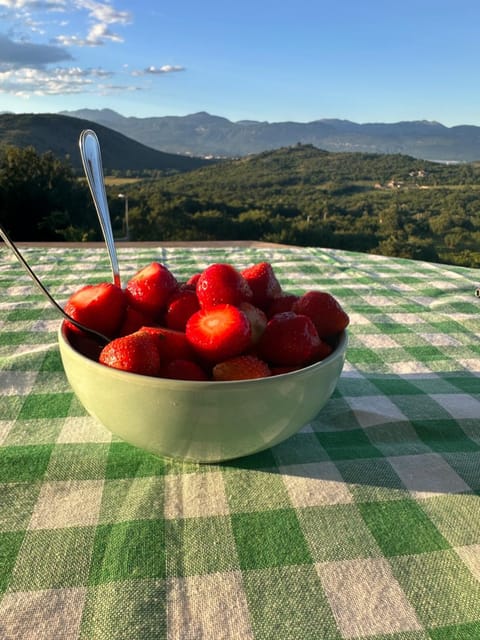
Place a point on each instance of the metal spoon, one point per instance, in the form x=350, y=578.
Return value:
x=92, y=165
x=10, y=244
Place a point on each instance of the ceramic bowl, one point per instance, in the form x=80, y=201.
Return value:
x=201, y=421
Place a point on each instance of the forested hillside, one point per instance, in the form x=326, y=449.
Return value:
x=388, y=204
x=394, y=205
x=59, y=135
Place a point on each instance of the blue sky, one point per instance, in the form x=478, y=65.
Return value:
x=361, y=60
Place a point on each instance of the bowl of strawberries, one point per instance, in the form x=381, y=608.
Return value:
x=220, y=366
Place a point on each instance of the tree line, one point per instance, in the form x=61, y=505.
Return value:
x=391, y=205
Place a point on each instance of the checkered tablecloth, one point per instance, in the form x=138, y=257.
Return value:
x=366, y=524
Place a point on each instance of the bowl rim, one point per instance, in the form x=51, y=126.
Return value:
x=338, y=351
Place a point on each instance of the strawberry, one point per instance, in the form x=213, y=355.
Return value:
x=181, y=305
x=184, y=370
x=276, y=371
x=283, y=302
x=263, y=283
x=98, y=306
x=258, y=320
x=171, y=344
x=325, y=312
x=84, y=344
x=192, y=281
x=321, y=352
x=219, y=333
x=136, y=353
x=133, y=320
x=222, y=284
x=289, y=339
x=149, y=289
x=243, y=367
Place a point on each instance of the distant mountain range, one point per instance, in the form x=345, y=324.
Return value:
x=202, y=134
x=59, y=134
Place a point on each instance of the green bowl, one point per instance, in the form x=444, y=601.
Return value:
x=201, y=421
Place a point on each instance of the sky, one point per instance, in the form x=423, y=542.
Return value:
x=275, y=61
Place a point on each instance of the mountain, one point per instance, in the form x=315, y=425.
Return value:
x=202, y=134
x=59, y=134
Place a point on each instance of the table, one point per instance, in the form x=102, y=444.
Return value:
x=366, y=524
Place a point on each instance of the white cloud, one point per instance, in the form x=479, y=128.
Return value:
x=101, y=16
x=103, y=12
x=34, y=5
x=152, y=70
x=98, y=18
x=30, y=67
x=28, y=82
x=97, y=36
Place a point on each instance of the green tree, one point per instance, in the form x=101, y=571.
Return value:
x=40, y=197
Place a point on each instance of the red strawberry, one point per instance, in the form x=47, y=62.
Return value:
x=192, y=281
x=322, y=351
x=84, y=344
x=133, y=320
x=289, y=339
x=171, y=344
x=325, y=312
x=283, y=302
x=136, y=353
x=184, y=370
x=258, y=320
x=263, y=283
x=243, y=367
x=219, y=333
x=98, y=306
x=180, y=307
x=149, y=289
x=222, y=284
x=276, y=371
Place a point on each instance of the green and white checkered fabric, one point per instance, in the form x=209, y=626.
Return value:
x=366, y=524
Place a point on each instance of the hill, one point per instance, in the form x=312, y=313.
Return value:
x=389, y=204
x=305, y=168
x=202, y=134
x=59, y=134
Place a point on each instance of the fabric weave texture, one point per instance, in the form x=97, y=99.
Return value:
x=365, y=524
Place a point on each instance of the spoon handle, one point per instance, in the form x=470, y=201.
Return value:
x=92, y=165
x=11, y=245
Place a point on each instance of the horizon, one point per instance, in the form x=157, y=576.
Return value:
x=217, y=115
x=303, y=62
